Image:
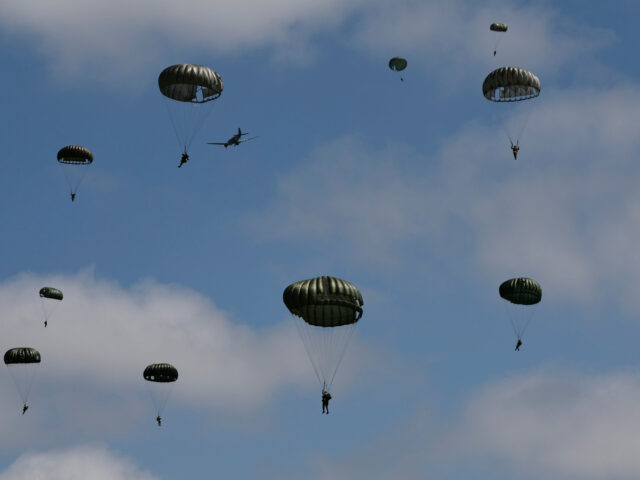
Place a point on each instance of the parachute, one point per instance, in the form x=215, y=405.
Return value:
x=325, y=310
x=501, y=28
x=49, y=298
x=521, y=294
x=188, y=91
x=512, y=85
x=398, y=64
x=160, y=377
x=22, y=363
x=498, y=27
x=73, y=160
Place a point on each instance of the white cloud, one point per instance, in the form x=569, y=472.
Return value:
x=116, y=37
x=91, y=461
x=102, y=336
x=101, y=41
x=560, y=425
x=451, y=40
x=566, y=212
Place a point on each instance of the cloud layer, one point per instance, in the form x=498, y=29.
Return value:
x=566, y=212
x=118, y=39
x=76, y=463
x=101, y=337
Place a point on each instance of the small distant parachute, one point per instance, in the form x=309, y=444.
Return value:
x=50, y=298
x=22, y=363
x=521, y=294
x=497, y=27
x=189, y=90
x=326, y=310
x=398, y=64
x=512, y=85
x=160, y=377
x=73, y=160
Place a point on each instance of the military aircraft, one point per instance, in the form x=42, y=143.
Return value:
x=235, y=140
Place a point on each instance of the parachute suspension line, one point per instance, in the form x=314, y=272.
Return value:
x=173, y=124
x=23, y=377
x=306, y=341
x=203, y=114
x=504, y=127
x=351, y=328
x=527, y=114
x=519, y=317
x=511, y=318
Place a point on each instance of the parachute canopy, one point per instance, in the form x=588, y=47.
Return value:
x=498, y=27
x=398, y=64
x=510, y=84
x=160, y=373
x=50, y=292
x=75, y=155
x=21, y=355
x=324, y=301
x=190, y=83
x=521, y=291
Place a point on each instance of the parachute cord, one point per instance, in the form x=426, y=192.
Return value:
x=175, y=128
x=344, y=349
x=508, y=134
x=303, y=335
x=527, y=114
x=199, y=123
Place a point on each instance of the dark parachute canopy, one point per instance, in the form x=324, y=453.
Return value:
x=21, y=355
x=75, y=155
x=72, y=159
x=521, y=291
x=498, y=27
x=50, y=292
x=189, y=88
x=190, y=83
x=324, y=301
x=510, y=84
x=326, y=310
x=160, y=372
x=522, y=294
x=397, y=64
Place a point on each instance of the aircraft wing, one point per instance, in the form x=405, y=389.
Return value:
x=247, y=139
x=216, y=143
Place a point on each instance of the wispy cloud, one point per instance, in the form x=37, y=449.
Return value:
x=102, y=336
x=90, y=461
x=568, y=214
x=103, y=41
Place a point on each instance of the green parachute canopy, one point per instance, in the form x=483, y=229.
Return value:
x=398, y=64
x=510, y=84
x=50, y=292
x=521, y=291
x=75, y=155
x=21, y=355
x=190, y=83
x=160, y=373
x=324, y=301
x=498, y=27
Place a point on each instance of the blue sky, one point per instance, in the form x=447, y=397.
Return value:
x=406, y=189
